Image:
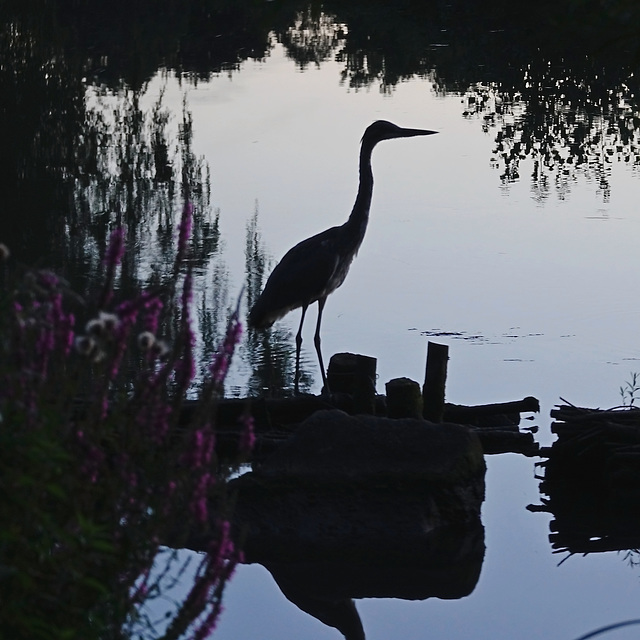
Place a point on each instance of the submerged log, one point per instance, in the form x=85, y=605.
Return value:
x=500, y=441
x=275, y=419
x=495, y=414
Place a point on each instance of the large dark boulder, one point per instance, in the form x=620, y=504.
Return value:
x=345, y=485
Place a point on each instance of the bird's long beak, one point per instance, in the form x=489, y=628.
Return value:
x=407, y=133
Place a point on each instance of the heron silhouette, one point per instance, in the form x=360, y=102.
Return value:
x=317, y=266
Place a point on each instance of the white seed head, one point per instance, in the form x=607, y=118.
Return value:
x=95, y=327
x=111, y=321
x=160, y=348
x=146, y=340
x=84, y=345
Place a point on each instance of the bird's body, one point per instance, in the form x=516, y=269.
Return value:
x=317, y=266
x=312, y=267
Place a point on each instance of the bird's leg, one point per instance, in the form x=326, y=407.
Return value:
x=316, y=341
x=298, y=347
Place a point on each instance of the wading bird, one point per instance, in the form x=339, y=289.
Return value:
x=317, y=266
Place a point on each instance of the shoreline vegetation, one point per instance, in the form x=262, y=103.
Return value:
x=88, y=496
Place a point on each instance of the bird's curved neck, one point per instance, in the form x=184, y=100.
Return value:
x=360, y=213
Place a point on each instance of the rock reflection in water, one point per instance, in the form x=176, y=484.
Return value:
x=446, y=564
x=270, y=354
x=362, y=507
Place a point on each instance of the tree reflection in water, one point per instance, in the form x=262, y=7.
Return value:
x=565, y=134
x=271, y=352
x=556, y=84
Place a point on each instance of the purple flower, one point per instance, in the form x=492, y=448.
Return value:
x=149, y=473
x=186, y=367
x=222, y=359
x=152, y=308
x=200, y=496
x=200, y=509
x=115, y=249
x=184, y=231
x=201, y=452
x=248, y=438
x=48, y=279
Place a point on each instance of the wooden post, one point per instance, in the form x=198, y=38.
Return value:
x=404, y=399
x=356, y=375
x=435, y=380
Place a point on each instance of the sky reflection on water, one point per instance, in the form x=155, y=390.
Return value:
x=448, y=247
x=537, y=293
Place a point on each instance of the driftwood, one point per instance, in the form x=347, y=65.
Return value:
x=502, y=414
x=351, y=379
x=275, y=419
x=592, y=479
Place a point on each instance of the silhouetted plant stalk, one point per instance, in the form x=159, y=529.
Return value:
x=98, y=468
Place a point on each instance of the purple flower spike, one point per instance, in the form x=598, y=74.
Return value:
x=115, y=249
x=222, y=359
x=186, y=366
x=248, y=437
x=153, y=307
x=186, y=224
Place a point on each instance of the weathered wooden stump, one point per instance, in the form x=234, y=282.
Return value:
x=354, y=374
x=435, y=381
x=404, y=398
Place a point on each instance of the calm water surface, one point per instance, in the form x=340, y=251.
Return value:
x=537, y=288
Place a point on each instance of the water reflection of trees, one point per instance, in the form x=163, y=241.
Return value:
x=555, y=84
x=270, y=353
x=77, y=163
x=81, y=159
x=564, y=132
x=41, y=115
x=136, y=168
x=313, y=37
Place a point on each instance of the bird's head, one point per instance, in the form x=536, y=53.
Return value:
x=384, y=130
